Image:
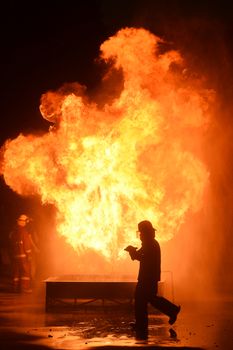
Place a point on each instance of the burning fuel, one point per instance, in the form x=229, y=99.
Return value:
x=139, y=156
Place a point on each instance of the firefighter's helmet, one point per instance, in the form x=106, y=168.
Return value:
x=24, y=218
x=146, y=226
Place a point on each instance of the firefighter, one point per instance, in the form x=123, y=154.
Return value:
x=149, y=257
x=21, y=248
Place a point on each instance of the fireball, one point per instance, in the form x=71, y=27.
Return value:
x=134, y=158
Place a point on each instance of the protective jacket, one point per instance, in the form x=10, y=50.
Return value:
x=20, y=243
x=149, y=256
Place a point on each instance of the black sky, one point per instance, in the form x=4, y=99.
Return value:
x=46, y=43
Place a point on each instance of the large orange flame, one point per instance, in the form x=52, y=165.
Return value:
x=136, y=158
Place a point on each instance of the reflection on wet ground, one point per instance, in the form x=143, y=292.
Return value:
x=25, y=325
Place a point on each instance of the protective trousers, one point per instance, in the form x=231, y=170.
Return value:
x=21, y=274
x=147, y=293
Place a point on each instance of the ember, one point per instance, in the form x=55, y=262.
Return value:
x=106, y=168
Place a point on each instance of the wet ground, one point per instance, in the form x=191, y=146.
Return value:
x=24, y=324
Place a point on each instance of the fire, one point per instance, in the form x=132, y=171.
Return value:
x=136, y=157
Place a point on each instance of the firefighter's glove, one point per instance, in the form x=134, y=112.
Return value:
x=130, y=249
x=29, y=257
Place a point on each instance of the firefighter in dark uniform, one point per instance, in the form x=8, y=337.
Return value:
x=149, y=257
x=21, y=249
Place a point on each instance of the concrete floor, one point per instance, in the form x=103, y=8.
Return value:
x=24, y=324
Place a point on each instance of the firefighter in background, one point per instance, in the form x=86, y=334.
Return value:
x=21, y=249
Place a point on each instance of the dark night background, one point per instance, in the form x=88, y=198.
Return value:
x=45, y=44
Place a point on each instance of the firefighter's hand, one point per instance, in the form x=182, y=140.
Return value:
x=130, y=248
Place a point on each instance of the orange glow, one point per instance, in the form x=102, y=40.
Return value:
x=136, y=158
